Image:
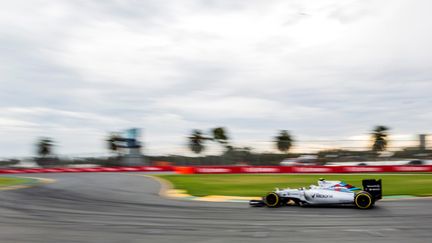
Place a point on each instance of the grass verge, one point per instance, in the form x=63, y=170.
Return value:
x=259, y=184
x=13, y=181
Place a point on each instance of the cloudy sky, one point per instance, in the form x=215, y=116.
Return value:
x=325, y=70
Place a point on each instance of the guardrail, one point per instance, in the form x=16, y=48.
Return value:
x=91, y=169
x=231, y=169
x=300, y=169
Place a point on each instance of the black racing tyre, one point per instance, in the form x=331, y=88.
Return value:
x=363, y=200
x=272, y=200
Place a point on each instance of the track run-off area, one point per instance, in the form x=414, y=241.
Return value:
x=126, y=207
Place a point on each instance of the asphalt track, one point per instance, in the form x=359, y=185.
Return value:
x=121, y=207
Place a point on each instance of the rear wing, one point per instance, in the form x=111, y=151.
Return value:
x=373, y=187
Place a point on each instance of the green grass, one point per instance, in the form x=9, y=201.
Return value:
x=258, y=185
x=12, y=181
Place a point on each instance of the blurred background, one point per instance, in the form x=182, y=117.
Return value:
x=216, y=147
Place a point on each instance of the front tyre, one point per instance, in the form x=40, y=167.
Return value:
x=272, y=200
x=363, y=200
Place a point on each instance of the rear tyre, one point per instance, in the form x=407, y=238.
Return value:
x=272, y=200
x=363, y=200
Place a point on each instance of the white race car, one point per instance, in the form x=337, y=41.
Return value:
x=325, y=193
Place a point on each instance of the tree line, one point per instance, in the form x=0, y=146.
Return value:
x=283, y=140
x=197, y=140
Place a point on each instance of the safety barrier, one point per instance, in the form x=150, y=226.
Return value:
x=300, y=169
x=91, y=169
x=231, y=169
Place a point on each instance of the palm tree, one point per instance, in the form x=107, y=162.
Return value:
x=220, y=136
x=44, y=147
x=283, y=141
x=379, y=137
x=196, y=141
